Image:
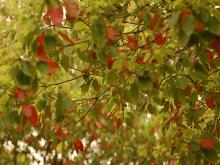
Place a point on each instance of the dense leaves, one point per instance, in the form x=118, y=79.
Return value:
x=110, y=82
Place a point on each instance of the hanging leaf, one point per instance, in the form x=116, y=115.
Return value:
x=56, y=14
x=111, y=34
x=71, y=9
x=20, y=93
x=78, y=145
x=154, y=22
x=34, y=118
x=41, y=38
x=27, y=109
x=207, y=143
x=66, y=38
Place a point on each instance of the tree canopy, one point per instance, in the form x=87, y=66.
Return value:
x=110, y=82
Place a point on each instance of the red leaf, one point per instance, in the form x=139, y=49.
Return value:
x=211, y=57
x=41, y=54
x=118, y=123
x=99, y=124
x=183, y=15
x=65, y=37
x=94, y=55
x=199, y=26
x=153, y=22
x=20, y=94
x=111, y=34
x=27, y=109
x=41, y=38
x=207, y=143
x=146, y=47
x=110, y=61
x=160, y=40
x=34, y=118
x=210, y=102
x=132, y=39
x=56, y=15
x=187, y=90
x=198, y=87
x=20, y=128
x=171, y=162
x=140, y=60
x=133, y=46
x=71, y=9
x=51, y=64
x=78, y=145
x=216, y=45
x=1, y=113
x=133, y=42
x=46, y=17
x=178, y=105
x=59, y=133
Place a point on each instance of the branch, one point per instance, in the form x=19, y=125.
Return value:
x=59, y=83
x=96, y=99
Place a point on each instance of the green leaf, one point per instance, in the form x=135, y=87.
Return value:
x=151, y=109
x=27, y=68
x=147, y=19
x=173, y=20
x=62, y=104
x=29, y=39
x=210, y=155
x=213, y=25
x=50, y=44
x=188, y=25
x=111, y=77
x=98, y=31
x=197, y=75
x=203, y=14
x=65, y=62
x=22, y=78
x=43, y=67
x=183, y=37
x=85, y=87
x=145, y=83
x=181, y=83
x=134, y=92
x=59, y=147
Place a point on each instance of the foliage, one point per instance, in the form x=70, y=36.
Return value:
x=110, y=81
